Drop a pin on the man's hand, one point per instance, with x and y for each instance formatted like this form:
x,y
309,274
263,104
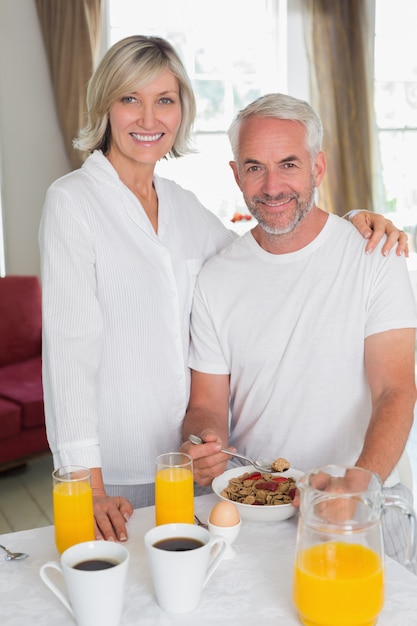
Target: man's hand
x,y
110,517
208,461
333,509
373,226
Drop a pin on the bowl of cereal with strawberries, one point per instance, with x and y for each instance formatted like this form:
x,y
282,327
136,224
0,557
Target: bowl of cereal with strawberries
x,y
258,496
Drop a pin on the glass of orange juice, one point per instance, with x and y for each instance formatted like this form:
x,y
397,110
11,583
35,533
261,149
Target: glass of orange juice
x,y
174,489
73,506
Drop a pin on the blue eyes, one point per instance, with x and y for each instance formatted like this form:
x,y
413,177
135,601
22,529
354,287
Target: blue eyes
x,y
133,100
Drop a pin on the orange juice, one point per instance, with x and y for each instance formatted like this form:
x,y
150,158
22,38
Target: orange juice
x,y
174,496
338,584
73,514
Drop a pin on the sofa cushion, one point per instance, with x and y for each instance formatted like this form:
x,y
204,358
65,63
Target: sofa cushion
x,y
9,419
21,318
22,383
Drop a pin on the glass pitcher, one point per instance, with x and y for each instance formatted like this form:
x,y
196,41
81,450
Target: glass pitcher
x,y
339,571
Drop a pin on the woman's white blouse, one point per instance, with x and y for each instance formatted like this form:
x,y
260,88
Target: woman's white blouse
x,y
116,309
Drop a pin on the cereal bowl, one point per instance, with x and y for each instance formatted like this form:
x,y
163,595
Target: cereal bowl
x,y
256,513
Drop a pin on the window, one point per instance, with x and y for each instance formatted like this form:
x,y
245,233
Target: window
x,y
231,54
396,109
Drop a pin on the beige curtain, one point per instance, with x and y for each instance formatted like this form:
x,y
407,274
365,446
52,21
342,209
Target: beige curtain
x,y
339,35
71,32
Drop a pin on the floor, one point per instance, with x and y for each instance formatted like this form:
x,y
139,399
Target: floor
x,y
25,493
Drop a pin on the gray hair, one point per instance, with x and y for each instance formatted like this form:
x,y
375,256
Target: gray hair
x,y
281,106
131,64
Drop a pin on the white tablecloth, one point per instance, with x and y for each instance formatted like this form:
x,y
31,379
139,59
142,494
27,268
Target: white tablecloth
x,y
253,588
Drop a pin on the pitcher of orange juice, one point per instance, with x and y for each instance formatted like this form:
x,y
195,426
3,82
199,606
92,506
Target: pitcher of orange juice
x,y
339,568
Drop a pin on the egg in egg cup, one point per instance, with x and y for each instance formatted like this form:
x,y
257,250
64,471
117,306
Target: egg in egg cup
x,y
224,521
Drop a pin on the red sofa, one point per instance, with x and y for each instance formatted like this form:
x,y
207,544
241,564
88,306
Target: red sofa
x,y
22,420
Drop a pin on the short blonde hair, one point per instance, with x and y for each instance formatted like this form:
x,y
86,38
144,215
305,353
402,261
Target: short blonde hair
x,y
131,64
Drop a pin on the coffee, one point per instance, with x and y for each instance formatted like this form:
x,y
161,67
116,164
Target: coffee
x,y
178,544
93,565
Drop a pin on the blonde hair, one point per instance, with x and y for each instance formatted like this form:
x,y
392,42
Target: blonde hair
x,y
128,65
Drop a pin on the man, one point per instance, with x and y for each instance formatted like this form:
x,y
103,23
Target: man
x,y
309,340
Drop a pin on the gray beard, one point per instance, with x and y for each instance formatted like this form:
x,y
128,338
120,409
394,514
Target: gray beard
x,y
303,208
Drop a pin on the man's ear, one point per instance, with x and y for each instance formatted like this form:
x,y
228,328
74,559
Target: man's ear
x,y
319,168
233,165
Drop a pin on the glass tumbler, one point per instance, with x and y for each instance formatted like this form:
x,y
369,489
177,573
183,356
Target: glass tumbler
x,y
73,506
174,489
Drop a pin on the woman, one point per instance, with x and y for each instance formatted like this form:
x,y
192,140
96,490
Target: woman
x,y
120,252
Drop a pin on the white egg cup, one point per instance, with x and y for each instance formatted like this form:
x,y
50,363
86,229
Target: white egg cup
x,y
229,534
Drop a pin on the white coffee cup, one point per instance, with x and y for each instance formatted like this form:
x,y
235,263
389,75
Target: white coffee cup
x,y
179,576
95,595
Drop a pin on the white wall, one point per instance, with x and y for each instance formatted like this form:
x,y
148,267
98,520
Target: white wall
x,y
32,150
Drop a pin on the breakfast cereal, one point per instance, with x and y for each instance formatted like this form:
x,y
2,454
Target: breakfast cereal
x,y
260,489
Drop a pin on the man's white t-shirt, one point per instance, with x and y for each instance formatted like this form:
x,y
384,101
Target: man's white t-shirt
x,y
290,330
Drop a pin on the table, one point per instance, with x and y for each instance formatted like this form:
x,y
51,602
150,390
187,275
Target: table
x,y
253,588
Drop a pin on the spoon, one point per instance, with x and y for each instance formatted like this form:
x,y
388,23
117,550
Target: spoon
x,y
268,470
13,556
199,522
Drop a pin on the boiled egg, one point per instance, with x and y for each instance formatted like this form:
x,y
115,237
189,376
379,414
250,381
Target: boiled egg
x,y
224,514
